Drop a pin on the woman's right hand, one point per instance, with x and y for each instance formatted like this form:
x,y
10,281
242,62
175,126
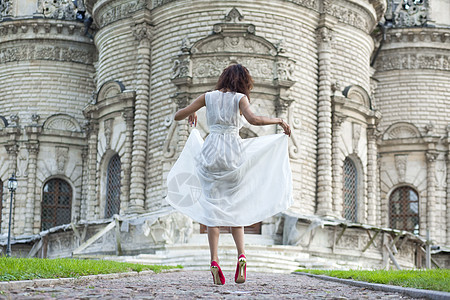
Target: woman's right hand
x,y
286,127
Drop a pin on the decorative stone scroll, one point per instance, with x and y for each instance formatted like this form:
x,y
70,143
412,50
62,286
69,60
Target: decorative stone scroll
x,y
62,122
3,122
401,130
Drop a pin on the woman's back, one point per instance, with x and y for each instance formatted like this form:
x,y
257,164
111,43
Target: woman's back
x,y
223,108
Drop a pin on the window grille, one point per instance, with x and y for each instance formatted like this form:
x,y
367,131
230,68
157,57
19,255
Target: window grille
x,y
113,187
56,204
350,190
404,209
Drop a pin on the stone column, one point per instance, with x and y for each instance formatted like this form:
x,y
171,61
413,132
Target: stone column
x,y
92,197
337,166
324,135
128,117
372,175
31,207
140,134
431,193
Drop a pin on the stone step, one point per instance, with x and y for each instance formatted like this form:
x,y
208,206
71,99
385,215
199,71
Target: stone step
x,y
261,258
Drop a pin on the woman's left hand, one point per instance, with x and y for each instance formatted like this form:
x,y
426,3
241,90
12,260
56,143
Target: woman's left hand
x,y
192,119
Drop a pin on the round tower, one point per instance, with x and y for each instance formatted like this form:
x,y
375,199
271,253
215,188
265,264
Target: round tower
x,y
47,74
412,75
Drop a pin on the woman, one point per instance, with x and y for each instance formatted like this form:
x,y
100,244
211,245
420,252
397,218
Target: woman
x,y
227,181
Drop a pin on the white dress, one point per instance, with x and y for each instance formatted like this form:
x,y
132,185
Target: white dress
x,y
226,180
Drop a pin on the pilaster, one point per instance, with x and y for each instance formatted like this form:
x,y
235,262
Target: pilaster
x,y
141,31
431,156
128,117
372,175
337,166
324,133
92,199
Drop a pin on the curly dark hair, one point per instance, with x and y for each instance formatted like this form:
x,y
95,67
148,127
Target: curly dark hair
x,y
236,78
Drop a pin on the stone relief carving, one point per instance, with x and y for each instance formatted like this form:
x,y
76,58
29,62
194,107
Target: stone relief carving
x,y
401,131
57,9
6,7
284,70
142,32
347,16
407,13
45,53
108,124
22,163
62,122
441,172
120,11
62,156
413,61
429,128
356,136
401,160
181,68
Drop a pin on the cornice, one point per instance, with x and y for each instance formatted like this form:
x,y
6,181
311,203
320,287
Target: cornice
x,y
417,37
49,29
108,11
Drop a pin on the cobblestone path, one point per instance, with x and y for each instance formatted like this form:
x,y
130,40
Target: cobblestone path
x,y
198,285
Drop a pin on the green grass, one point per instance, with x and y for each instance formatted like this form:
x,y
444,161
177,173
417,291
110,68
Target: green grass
x,y
34,268
435,279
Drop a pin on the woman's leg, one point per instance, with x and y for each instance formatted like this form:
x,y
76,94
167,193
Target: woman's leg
x,y
213,239
238,236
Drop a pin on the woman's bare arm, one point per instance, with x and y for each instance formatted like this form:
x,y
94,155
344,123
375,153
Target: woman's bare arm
x,y
189,111
253,119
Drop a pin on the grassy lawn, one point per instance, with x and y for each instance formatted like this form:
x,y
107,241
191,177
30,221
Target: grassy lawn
x,y
435,279
34,268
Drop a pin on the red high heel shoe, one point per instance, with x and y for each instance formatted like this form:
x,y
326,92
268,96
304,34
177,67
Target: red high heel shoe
x,y
217,274
241,269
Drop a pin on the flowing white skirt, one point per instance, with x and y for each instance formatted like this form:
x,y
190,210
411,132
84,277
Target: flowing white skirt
x,y
257,183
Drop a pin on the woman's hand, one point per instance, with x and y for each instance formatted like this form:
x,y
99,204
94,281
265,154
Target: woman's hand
x,y
192,119
286,127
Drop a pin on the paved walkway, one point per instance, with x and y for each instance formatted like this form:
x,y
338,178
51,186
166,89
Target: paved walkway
x,y
198,285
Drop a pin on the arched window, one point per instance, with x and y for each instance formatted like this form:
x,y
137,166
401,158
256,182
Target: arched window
x,y
404,209
113,187
350,184
56,204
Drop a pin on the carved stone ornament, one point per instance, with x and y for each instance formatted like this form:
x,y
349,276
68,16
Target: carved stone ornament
x,y
441,172
431,156
357,94
22,163
35,118
356,136
6,7
407,13
109,89
62,155
62,122
181,68
401,130
142,32
14,118
429,128
108,128
57,9
401,160
234,15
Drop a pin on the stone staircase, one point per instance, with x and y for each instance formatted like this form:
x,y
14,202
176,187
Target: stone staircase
x,y
262,256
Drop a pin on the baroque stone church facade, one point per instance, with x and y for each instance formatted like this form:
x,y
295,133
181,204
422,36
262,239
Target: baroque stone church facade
x,y
88,90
